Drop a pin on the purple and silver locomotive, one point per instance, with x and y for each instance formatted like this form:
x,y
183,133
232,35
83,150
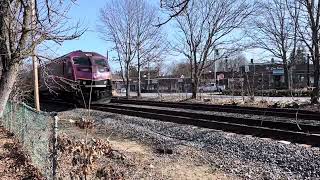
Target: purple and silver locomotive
x,y
84,75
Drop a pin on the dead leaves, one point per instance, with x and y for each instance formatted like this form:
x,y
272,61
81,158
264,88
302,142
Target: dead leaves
x,y
85,123
84,155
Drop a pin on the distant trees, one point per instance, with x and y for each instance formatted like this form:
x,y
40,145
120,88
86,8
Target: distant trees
x,y
207,25
278,26
274,29
233,63
117,26
284,25
150,41
179,69
301,56
309,33
129,25
23,26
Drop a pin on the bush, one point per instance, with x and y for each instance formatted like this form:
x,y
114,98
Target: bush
x,y
273,93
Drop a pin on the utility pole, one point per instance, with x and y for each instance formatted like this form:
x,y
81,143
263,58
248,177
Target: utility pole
x,y
215,65
226,66
308,70
34,58
148,84
253,76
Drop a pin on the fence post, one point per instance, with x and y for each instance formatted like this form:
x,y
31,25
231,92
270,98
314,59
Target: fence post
x,y
54,149
22,122
9,124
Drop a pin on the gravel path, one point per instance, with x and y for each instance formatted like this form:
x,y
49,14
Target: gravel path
x,y
245,156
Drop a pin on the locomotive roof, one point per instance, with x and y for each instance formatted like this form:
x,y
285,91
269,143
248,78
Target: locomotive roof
x,y
75,53
81,53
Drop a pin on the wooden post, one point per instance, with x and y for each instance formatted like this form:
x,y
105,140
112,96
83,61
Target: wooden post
x,y
34,59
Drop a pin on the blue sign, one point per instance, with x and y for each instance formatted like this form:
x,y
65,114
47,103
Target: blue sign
x,y
278,72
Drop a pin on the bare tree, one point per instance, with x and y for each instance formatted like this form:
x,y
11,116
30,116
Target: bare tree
x,y
18,38
179,69
208,25
274,30
150,41
174,7
309,32
234,63
118,26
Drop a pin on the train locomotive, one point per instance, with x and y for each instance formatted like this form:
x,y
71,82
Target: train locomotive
x,y
79,76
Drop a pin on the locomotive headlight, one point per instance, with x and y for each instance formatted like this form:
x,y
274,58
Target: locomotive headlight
x,y
104,82
84,83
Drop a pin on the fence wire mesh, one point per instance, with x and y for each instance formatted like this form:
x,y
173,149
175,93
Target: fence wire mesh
x,y
34,130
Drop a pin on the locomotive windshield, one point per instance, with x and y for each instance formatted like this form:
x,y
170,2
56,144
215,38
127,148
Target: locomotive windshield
x,y
83,61
101,62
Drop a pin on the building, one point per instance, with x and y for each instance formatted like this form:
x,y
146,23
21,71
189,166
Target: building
x,y
257,76
264,76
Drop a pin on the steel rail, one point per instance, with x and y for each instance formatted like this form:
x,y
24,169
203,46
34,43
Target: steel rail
x,y
278,112
230,124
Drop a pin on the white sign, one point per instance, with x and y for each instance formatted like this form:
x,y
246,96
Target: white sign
x,y
246,68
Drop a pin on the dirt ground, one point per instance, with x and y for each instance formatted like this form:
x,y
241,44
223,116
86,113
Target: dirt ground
x,y
140,161
14,163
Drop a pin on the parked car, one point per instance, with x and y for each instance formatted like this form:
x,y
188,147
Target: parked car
x,y
212,87
122,90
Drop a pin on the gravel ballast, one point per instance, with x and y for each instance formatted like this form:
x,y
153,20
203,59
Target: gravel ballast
x,y
245,156
237,115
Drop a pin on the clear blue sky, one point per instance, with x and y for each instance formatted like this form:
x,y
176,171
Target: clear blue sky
x,y
87,13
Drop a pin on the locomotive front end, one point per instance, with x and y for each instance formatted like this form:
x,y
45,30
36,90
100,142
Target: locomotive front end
x,y
92,72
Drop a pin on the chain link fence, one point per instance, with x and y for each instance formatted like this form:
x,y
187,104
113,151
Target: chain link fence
x,y
35,130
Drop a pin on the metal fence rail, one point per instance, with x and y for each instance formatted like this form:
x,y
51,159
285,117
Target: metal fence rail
x,y
34,130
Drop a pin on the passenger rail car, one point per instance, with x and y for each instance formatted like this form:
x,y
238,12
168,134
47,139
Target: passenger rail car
x,y
78,74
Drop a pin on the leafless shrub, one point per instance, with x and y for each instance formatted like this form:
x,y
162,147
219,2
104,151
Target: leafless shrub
x,y
82,157
85,123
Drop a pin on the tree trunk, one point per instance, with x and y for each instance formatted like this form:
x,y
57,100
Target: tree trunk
x,y
139,81
285,68
195,84
315,92
127,82
7,81
286,76
139,75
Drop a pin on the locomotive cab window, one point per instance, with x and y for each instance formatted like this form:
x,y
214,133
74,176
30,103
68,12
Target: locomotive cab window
x,y
101,62
83,61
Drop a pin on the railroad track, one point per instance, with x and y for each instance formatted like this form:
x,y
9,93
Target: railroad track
x,y
305,134
278,112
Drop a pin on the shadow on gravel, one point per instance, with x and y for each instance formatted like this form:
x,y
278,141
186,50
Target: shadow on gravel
x,y
163,151
56,107
185,100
